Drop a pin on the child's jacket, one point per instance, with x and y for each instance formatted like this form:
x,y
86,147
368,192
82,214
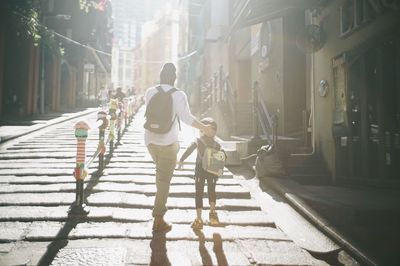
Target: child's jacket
x,y
200,150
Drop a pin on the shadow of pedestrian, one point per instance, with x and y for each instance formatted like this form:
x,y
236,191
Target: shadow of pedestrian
x,y
159,249
205,256
219,250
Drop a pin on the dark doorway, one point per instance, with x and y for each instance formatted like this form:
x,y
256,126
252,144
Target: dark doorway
x,y
374,113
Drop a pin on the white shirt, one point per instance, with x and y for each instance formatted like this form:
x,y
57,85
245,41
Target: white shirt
x,y
180,108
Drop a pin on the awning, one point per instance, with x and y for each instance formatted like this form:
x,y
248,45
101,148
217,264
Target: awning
x,y
250,12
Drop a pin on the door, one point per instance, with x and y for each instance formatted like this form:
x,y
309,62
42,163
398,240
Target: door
x,y
374,113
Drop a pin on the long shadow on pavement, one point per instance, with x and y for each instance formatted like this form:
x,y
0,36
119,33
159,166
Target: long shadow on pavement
x,y
61,239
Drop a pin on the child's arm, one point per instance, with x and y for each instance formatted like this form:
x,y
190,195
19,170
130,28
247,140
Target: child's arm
x,y
186,154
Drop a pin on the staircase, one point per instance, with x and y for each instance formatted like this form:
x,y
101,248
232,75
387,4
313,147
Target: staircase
x,y
244,119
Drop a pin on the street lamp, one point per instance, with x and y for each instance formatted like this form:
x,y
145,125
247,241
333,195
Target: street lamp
x,y
42,66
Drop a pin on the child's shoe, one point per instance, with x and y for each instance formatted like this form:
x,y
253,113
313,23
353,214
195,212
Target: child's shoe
x,y
213,218
197,224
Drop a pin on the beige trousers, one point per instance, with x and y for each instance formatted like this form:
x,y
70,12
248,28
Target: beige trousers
x,y
164,158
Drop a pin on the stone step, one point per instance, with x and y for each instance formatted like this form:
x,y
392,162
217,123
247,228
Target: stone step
x,y
49,231
103,214
123,179
120,199
234,191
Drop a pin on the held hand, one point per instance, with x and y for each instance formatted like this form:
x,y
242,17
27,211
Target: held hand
x,y
179,165
209,131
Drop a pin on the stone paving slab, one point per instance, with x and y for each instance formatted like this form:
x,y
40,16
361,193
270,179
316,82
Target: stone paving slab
x,y
53,155
12,231
176,190
159,251
255,218
277,253
90,256
60,213
67,150
144,179
49,231
38,171
117,199
33,166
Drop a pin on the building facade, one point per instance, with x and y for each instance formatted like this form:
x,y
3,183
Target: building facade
x,y
159,44
359,133
327,70
54,75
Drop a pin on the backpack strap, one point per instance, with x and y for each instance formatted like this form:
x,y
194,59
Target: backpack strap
x,y
176,116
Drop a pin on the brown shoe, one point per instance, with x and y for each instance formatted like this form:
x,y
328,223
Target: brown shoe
x,y
160,225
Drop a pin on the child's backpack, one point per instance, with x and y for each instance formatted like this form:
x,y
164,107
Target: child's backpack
x,y
159,112
213,160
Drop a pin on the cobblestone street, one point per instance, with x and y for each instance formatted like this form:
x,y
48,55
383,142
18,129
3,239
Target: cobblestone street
x,y
37,189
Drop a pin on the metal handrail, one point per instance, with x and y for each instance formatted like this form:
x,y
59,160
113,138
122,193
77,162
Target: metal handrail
x,y
231,96
219,90
263,118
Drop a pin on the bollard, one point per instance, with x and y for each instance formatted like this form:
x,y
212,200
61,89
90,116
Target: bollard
x,y
131,106
102,147
81,133
126,111
119,121
113,116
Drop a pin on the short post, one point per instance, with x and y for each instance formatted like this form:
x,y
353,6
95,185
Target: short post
x,y
102,147
126,111
113,116
131,104
130,110
119,121
81,133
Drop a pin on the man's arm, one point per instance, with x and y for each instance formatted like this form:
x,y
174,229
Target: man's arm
x,y
184,113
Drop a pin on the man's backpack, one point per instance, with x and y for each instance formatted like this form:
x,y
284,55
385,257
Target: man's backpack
x,y
213,160
159,112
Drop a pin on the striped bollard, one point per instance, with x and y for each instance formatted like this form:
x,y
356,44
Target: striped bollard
x,y
126,111
119,121
102,147
130,109
81,133
113,116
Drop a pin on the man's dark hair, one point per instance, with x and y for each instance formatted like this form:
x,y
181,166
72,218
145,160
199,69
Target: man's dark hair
x,y
168,74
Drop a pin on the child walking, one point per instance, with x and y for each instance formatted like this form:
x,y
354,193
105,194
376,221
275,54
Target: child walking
x,y
201,175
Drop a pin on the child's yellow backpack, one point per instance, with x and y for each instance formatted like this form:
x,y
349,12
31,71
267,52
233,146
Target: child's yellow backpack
x,y
213,160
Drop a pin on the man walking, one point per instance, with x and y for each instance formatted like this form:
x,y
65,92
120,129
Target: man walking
x,y
161,135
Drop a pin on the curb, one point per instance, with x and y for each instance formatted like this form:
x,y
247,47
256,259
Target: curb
x,y
321,223
51,122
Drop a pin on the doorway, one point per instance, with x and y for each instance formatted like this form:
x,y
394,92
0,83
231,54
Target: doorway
x,y
374,113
